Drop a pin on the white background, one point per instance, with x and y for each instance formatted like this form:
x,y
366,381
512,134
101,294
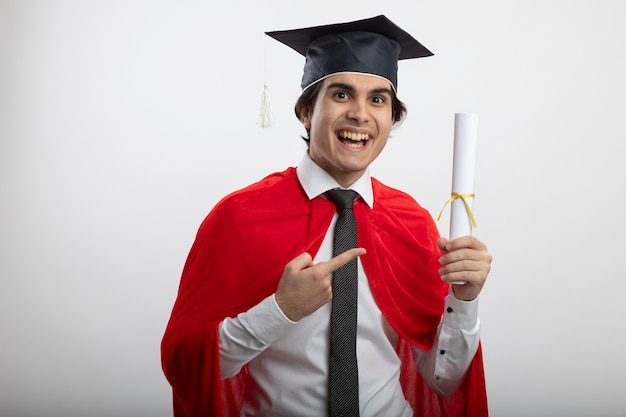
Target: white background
x,y
123,122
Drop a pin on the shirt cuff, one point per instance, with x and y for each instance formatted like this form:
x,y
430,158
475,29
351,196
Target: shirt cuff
x,y
459,314
266,321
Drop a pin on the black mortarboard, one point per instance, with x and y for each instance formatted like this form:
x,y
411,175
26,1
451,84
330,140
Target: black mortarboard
x,y
369,46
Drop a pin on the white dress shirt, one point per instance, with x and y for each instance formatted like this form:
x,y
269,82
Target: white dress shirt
x,y
288,361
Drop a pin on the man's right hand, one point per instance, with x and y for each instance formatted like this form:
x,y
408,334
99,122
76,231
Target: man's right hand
x,y
305,287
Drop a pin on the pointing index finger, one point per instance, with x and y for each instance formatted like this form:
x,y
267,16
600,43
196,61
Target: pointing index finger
x,y
340,260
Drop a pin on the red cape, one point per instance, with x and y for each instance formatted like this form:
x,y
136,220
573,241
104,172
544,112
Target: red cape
x,y
238,258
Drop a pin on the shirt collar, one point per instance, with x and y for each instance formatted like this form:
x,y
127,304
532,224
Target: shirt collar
x,y
315,181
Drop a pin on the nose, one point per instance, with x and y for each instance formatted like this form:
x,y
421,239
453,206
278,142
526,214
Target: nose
x,y
358,111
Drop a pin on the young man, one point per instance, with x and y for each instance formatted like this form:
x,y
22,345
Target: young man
x,y
253,330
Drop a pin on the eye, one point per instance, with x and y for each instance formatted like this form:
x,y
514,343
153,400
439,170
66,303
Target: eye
x,y
342,95
378,99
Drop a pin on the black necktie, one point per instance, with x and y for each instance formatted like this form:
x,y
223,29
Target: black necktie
x,y
343,372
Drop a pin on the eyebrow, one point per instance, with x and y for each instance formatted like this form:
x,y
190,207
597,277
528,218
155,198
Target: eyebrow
x,y
351,89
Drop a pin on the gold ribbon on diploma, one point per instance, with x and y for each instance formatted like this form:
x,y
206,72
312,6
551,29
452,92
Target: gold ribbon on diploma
x,y
456,196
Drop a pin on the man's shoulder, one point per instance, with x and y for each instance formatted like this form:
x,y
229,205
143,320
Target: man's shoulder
x,y
265,183
399,214
272,189
388,195
398,204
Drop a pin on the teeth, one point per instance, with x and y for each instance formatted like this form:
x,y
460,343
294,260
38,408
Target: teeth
x,y
353,136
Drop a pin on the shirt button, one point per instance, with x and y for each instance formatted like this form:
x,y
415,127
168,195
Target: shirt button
x,y
449,310
442,351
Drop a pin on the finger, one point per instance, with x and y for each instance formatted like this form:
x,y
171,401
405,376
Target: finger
x,y
301,261
464,254
340,260
463,265
469,271
470,242
466,277
442,242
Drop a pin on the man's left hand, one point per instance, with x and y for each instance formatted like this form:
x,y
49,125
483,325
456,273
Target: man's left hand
x,y
464,259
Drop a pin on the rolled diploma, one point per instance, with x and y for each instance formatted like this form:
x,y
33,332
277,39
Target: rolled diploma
x,y
463,173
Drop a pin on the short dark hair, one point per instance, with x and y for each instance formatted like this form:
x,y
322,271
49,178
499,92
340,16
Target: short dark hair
x,y
309,96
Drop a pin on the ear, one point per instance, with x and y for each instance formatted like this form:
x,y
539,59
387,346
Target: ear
x,y
305,116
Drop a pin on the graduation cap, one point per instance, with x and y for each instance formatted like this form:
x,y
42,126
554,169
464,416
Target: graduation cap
x,y
369,46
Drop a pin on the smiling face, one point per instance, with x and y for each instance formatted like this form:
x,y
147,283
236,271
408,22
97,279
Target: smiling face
x,y
349,124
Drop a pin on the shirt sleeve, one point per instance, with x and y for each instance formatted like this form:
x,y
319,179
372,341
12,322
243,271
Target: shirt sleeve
x,y
244,337
445,364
